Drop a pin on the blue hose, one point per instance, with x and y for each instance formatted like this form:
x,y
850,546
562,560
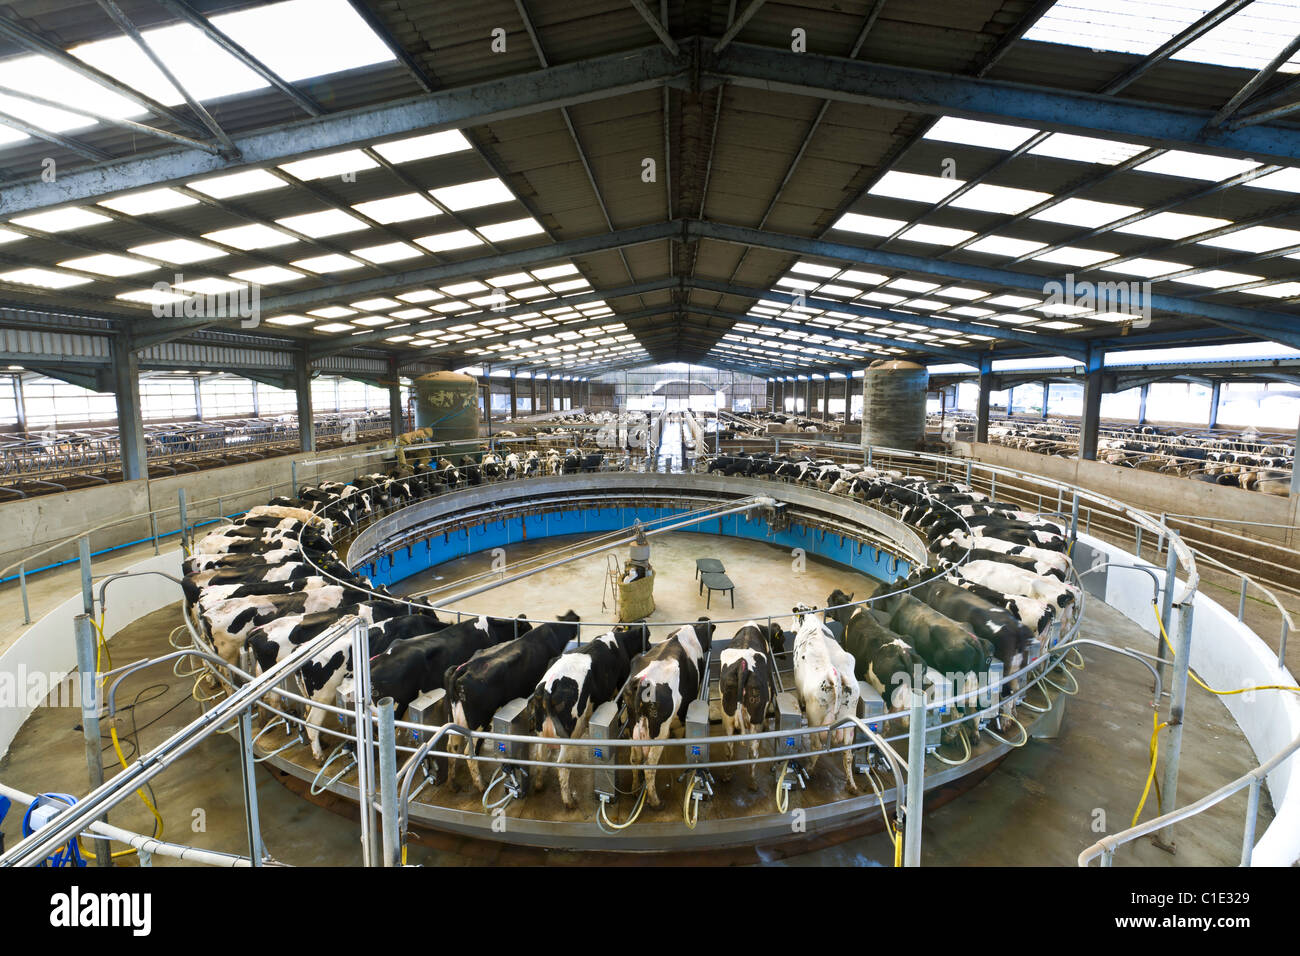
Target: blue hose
x,y
65,856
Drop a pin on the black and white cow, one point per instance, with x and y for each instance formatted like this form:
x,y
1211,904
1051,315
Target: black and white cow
x,y
497,675
1054,561
746,685
826,686
574,685
418,663
882,657
666,679
1013,580
951,554
227,622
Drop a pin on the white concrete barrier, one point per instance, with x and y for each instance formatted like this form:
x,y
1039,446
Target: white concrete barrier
x,y
48,648
1226,654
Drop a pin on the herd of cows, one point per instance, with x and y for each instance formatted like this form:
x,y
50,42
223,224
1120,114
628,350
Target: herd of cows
x,y
1240,461
273,581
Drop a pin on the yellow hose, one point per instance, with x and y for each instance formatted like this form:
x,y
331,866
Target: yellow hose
x,y
636,812
690,819
1201,683
1151,774
782,795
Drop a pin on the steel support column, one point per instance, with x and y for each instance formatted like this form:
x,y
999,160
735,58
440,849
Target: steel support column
x,y
1215,391
1047,394
130,422
395,410
1092,391
1143,392
514,396
982,403
302,389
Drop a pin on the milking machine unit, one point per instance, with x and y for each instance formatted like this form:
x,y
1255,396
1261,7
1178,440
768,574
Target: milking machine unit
x,y
700,785
604,726
789,718
990,694
513,719
871,707
942,712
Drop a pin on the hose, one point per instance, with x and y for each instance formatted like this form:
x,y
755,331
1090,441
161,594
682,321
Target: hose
x,y
497,778
1151,774
1068,693
965,744
689,818
782,795
1024,734
606,823
889,827
1079,666
1201,683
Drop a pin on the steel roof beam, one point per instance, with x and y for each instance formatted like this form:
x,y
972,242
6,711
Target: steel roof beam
x,y
1277,326
926,91
519,95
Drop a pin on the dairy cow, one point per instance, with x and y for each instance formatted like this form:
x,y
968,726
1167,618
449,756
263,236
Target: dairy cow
x,y
746,685
826,686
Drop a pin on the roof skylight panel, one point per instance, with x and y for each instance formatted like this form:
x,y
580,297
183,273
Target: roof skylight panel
x,y
327,263
332,312
210,286
1145,268
1007,200
387,252
569,285
44,278
1217,278
1074,256
43,77
238,184
401,208
1014,301
420,295
328,36
61,220
970,311
868,225
1085,212
815,269
913,285
331,164
1087,149
555,272
152,296
840,291
148,201
1278,290
1004,246
423,147
198,63
791,283
1172,225
267,275
333,327
252,236
1255,239
290,320
374,305
178,251
483,192
1177,162
369,321
531,292
514,229
108,264
936,235
1286,180
447,241
882,297
326,222
951,129
914,186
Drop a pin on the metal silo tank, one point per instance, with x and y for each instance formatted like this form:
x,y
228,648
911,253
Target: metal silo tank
x,y
446,403
893,404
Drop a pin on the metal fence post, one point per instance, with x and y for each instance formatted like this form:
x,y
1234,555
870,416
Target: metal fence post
x,y
1166,612
183,515
88,688
388,782
1252,816
87,585
1177,703
1074,518
915,781
22,588
248,776
365,743
293,477
1281,647
153,529
1241,603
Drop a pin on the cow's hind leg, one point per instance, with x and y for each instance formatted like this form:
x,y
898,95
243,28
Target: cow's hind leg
x,y
539,772
753,767
475,774
846,738
651,760
728,728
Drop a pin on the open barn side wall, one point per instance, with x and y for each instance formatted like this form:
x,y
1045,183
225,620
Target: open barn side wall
x,y
1154,492
33,523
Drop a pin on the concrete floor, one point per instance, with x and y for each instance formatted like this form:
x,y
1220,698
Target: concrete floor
x,y
1037,808
764,574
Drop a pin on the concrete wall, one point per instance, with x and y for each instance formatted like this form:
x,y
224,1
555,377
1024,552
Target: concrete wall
x,y
31,524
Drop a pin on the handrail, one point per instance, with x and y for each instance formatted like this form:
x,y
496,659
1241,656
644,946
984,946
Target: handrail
x,y
1107,846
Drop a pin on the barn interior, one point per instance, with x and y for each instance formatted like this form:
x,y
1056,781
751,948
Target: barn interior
x,y
495,288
